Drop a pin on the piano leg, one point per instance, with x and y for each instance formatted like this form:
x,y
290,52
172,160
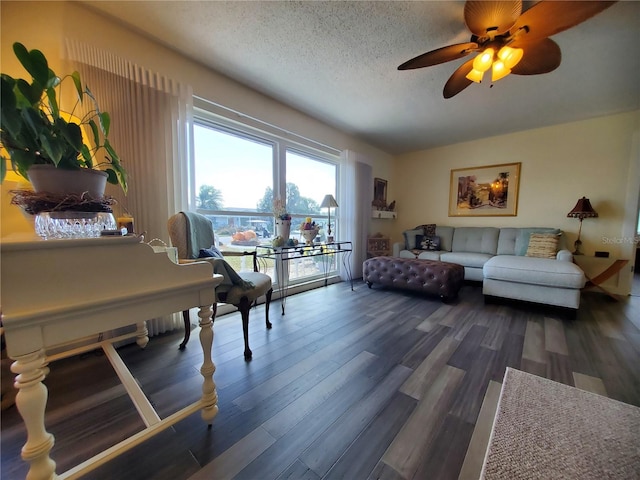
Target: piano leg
x,y
209,398
142,334
31,402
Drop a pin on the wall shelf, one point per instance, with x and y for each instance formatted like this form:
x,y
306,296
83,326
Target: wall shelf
x,y
383,214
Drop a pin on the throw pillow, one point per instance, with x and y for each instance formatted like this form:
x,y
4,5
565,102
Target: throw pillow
x,y
427,228
522,241
212,251
430,242
543,245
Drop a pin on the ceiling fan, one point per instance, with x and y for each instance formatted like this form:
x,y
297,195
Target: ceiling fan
x,y
508,40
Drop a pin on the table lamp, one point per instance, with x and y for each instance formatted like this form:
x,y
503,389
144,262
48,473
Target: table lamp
x,y
327,203
582,210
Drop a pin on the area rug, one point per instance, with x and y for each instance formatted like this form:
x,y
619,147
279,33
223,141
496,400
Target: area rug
x,y
547,430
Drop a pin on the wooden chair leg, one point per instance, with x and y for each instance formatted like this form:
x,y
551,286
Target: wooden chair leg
x,y
187,329
244,308
266,306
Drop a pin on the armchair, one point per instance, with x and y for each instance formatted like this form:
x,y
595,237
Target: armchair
x,y
190,233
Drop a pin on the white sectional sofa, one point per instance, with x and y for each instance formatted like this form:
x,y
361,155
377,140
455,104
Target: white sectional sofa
x,y
498,258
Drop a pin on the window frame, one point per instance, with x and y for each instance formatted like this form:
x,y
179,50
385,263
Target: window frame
x,y
208,115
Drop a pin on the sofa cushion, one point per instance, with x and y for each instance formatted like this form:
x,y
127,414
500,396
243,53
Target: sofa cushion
x,y
476,239
507,241
410,238
446,237
537,271
522,240
428,255
467,259
543,245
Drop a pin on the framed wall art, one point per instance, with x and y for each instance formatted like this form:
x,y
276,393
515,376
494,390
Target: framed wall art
x,y
379,193
484,191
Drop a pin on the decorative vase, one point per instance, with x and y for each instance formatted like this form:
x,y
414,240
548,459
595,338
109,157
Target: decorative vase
x,y
309,235
47,178
283,228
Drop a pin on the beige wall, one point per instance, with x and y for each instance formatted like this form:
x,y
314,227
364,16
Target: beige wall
x,y
559,164
45,25
596,158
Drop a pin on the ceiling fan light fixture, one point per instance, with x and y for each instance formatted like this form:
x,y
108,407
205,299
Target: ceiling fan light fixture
x,y
475,75
510,56
495,26
483,61
499,71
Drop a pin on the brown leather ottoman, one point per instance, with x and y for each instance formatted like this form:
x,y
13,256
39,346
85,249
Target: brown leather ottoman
x,y
429,276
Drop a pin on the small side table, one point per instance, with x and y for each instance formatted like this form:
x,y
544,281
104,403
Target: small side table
x,y
598,270
377,245
325,253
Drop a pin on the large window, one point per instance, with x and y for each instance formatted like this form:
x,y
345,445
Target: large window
x,y
237,174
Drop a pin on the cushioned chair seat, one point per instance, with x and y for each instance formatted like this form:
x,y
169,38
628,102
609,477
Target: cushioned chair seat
x,y
261,285
539,271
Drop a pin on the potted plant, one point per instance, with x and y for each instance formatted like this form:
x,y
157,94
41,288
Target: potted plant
x,y
38,135
309,230
283,219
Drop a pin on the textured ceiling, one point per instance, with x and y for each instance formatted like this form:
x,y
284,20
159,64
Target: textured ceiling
x,y
337,61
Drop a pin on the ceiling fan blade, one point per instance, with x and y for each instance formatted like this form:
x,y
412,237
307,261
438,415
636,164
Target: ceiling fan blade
x,y
548,18
494,17
440,55
539,57
458,81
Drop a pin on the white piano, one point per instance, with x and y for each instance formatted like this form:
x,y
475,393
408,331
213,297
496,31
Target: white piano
x,y
58,291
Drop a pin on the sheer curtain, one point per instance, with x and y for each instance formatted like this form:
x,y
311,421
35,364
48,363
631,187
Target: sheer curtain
x,y
151,129
356,193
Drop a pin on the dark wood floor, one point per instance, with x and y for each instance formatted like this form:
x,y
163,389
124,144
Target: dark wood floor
x,y
352,385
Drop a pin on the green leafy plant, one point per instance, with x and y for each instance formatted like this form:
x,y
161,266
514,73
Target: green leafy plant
x,y
34,130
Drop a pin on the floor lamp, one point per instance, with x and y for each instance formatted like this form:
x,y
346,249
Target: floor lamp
x,y
327,203
582,210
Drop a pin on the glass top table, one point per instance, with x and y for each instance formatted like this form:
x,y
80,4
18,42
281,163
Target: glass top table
x,y
325,255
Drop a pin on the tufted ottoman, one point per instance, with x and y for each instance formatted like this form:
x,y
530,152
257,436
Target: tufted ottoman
x,y
429,276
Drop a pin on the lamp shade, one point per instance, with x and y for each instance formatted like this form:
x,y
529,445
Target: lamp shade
x,y
483,61
583,209
475,75
328,202
510,56
499,71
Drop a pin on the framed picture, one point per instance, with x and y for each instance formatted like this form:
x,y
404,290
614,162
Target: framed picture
x,y
379,193
484,191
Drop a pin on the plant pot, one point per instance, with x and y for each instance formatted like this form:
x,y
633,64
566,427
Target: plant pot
x,y
283,228
47,178
309,235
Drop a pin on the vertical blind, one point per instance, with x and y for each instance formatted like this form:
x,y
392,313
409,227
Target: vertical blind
x,y
152,132
356,191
